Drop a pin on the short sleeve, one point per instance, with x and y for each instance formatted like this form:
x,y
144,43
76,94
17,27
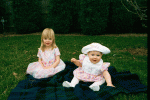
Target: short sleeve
x,y
57,52
39,53
81,57
105,66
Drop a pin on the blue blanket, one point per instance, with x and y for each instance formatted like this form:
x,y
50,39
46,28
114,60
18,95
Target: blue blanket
x,y
52,89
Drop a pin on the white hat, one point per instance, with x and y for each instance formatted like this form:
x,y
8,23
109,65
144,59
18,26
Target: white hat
x,y
95,47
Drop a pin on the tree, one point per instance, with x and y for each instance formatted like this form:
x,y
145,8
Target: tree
x,y
141,12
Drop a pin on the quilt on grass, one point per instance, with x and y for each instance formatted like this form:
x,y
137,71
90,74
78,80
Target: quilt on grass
x,y
52,89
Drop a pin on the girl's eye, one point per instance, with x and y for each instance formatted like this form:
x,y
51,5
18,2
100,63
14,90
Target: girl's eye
x,y
92,54
98,55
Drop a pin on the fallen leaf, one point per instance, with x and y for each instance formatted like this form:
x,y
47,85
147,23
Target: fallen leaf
x,y
15,74
26,52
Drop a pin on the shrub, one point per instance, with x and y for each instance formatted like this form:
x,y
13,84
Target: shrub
x,y
2,6
75,26
26,16
121,20
60,15
94,16
2,13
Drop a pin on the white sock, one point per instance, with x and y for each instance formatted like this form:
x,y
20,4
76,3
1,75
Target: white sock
x,y
95,88
72,84
66,84
96,85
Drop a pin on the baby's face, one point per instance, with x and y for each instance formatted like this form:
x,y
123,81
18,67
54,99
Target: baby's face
x,y
95,56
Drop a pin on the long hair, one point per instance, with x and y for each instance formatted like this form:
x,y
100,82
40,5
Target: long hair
x,y
48,33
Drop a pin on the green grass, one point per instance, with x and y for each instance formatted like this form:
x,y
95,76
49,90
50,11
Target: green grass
x,y
18,51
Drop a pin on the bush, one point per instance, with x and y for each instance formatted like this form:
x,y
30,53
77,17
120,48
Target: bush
x,y
26,16
60,15
121,20
75,26
2,13
94,16
2,6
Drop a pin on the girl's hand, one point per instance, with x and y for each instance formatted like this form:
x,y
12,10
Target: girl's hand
x,y
44,67
48,67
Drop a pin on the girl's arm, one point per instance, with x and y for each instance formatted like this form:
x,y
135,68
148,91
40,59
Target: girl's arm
x,y
76,62
108,78
55,63
40,61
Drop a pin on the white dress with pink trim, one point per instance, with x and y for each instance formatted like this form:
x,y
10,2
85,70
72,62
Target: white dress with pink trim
x,y
91,72
48,56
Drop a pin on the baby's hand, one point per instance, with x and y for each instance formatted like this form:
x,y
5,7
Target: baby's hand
x,y
73,60
110,85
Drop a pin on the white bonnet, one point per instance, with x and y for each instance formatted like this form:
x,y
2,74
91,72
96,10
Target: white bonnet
x,y
95,47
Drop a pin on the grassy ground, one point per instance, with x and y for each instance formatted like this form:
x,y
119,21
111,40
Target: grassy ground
x,y
127,53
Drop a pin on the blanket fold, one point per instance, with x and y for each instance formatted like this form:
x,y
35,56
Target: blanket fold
x,y
52,89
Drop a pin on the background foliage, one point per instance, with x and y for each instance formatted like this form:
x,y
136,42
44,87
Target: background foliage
x,y
94,16
2,13
26,16
60,15
121,20
91,17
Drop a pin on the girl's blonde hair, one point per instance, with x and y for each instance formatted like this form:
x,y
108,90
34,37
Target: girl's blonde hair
x,y
48,33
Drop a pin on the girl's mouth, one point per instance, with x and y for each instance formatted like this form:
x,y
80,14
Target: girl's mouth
x,y
47,43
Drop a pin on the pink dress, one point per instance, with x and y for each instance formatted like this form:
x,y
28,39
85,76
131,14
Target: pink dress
x,y
48,56
86,77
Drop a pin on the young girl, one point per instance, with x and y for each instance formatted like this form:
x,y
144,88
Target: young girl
x,y
91,67
49,62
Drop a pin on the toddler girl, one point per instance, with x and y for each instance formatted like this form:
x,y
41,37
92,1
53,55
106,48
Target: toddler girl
x,y
49,62
91,67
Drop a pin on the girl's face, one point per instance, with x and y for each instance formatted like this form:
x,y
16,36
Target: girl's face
x,y
47,41
95,56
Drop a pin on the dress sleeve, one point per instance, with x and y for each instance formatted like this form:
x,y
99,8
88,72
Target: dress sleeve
x,y
39,53
81,57
57,52
105,66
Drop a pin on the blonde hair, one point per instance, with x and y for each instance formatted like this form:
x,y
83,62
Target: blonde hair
x,y
48,33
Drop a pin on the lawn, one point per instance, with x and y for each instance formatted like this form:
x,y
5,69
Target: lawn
x,y
127,53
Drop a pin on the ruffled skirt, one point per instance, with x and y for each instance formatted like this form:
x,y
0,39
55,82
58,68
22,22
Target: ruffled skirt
x,y
81,75
37,71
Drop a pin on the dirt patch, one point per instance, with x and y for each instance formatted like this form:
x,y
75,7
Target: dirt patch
x,y
138,51
127,34
6,34
135,51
